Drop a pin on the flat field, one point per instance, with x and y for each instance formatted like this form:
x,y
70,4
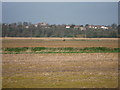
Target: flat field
x,y
60,70
59,42
93,70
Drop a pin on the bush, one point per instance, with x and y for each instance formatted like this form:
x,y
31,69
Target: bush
x,y
38,48
16,49
96,48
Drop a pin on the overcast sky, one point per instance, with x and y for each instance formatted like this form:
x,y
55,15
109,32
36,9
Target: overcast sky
x,y
98,13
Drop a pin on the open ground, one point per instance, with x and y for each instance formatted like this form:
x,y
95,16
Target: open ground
x,y
59,42
60,70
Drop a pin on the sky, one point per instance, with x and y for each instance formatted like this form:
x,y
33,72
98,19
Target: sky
x,y
119,13
79,13
60,0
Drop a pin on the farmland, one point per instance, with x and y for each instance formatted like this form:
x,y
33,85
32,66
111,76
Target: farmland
x,y
58,42
60,70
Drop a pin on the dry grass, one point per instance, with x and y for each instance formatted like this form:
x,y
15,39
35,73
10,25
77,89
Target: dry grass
x,y
81,70
57,38
93,70
58,42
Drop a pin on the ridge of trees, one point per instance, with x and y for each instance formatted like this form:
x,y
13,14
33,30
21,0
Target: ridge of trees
x,y
20,30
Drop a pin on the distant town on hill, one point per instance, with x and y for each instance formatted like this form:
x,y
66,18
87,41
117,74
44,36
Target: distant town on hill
x,y
42,29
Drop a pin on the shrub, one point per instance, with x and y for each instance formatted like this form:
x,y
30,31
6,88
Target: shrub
x,y
38,48
16,49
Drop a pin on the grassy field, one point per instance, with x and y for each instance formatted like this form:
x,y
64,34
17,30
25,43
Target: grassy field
x,y
60,70
38,50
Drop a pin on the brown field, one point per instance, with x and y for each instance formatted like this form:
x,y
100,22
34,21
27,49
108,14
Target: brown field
x,y
58,42
80,70
93,70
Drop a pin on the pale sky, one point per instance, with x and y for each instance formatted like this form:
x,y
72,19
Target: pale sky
x,y
81,13
60,0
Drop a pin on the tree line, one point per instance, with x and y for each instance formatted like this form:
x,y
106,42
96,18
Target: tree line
x,y
20,30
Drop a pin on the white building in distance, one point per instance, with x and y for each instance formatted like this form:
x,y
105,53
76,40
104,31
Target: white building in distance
x,y
36,25
104,27
26,26
67,26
